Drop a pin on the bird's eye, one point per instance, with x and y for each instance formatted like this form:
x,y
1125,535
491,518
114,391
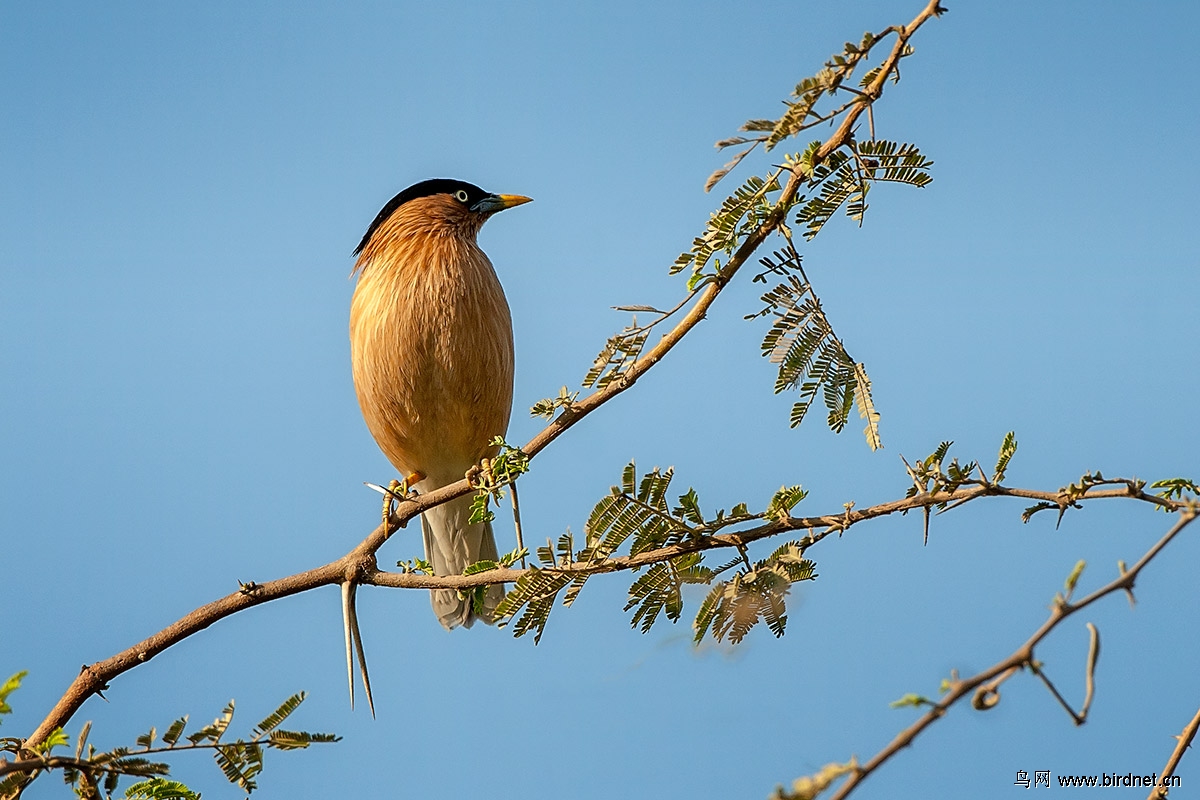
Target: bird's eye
x,y
461,195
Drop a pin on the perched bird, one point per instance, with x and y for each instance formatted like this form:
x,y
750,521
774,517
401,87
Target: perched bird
x,y
432,349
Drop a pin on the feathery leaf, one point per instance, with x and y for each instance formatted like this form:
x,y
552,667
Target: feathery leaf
x,y
1008,449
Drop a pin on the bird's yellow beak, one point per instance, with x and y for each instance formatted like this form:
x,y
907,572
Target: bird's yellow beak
x,y
498,202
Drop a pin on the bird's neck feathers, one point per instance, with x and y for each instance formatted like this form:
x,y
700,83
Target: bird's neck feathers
x,y
418,229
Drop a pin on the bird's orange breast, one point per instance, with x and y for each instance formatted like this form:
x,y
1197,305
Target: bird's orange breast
x,y
432,353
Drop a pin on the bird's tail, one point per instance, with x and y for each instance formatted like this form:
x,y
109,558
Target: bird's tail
x,y
452,545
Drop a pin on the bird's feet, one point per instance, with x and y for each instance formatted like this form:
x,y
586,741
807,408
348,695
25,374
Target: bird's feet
x,y
398,490
480,476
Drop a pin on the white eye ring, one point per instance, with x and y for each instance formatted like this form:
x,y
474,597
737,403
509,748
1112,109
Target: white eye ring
x,y
461,195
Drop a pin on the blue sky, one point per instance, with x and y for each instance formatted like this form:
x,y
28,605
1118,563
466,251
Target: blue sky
x,y
182,187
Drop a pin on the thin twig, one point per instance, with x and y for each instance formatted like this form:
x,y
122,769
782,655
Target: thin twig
x,y
1090,675
516,507
1185,740
1089,679
988,680
114,766
662,315
1062,701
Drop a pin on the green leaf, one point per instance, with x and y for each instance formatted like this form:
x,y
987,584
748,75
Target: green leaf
x,y
810,786
739,214
628,478
752,595
414,566
1172,489
895,163
866,406
699,280
533,597
689,507
8,687
508,464
240,762
869,78
11,784
1033,509
479,508
643,515
758,125
81,739
717,175
508,559
175,731
573,589
276,717
659,589
1008,449
160,789
298,740
133,765
810,356
483,565
707,613
783,501
547,407
619,354
1073,578
837,180
214,732
845,178
910,699
57,738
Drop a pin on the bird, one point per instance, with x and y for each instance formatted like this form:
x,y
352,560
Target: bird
x,y
432,359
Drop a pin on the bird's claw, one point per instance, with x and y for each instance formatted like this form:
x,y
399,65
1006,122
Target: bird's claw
x,y
480,475
390,497
398,491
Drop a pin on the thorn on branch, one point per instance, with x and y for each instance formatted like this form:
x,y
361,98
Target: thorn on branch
x,y
1129,588
1062,510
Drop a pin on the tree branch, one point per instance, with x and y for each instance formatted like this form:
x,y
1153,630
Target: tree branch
x,y
1185,740
359,564
984,685
819,527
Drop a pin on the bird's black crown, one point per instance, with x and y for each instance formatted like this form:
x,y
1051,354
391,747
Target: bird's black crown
x,y
422,189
